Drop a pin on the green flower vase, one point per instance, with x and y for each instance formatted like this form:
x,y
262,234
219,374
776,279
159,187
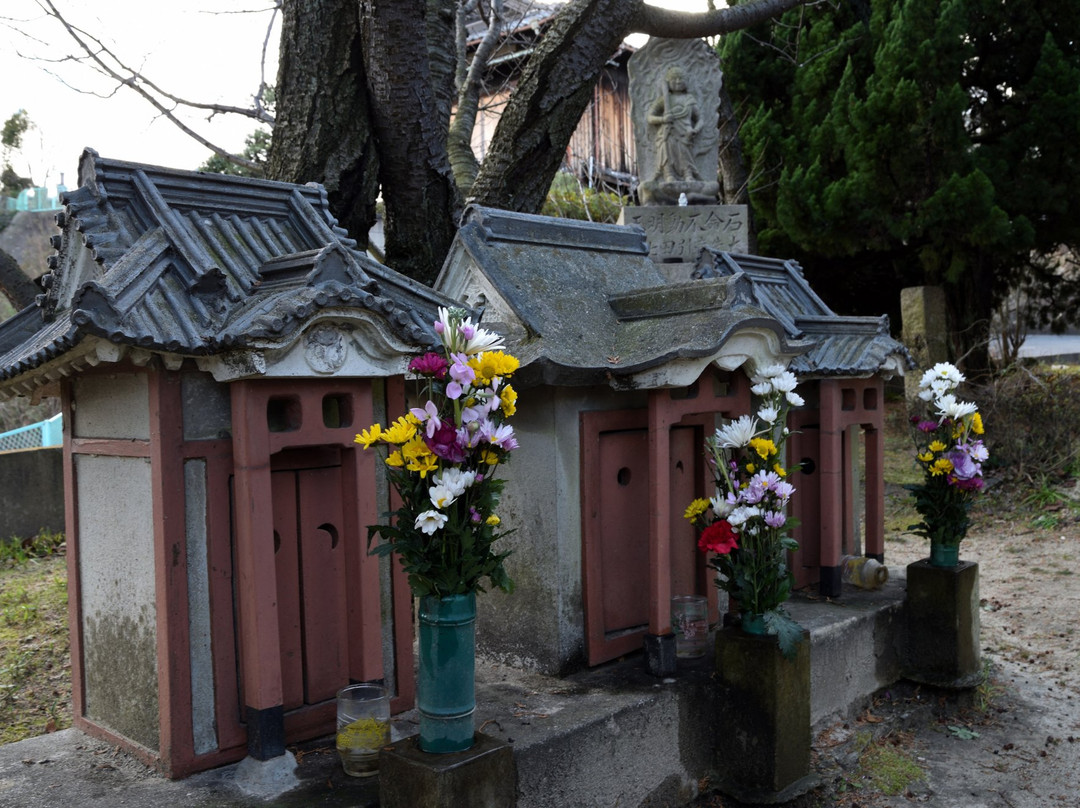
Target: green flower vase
x,y
944,555
446,694
753,623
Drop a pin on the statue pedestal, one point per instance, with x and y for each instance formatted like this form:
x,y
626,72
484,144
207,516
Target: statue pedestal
x,y
677,234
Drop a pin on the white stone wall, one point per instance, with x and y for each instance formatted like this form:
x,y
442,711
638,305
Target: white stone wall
x,y
541,626
117,592
112,405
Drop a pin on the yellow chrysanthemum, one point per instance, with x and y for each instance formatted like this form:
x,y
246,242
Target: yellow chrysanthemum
x,y
508,398
695,509
926,457
418,457
493,520
369,436
399,432
489,457
751,468
936,446
412,419
763,446
779,469
977,424
490,364
941,466
395,459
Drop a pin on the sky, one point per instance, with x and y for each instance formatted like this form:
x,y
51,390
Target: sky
x,y
203,50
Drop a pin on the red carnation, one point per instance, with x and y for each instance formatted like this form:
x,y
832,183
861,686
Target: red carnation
x,y
719,537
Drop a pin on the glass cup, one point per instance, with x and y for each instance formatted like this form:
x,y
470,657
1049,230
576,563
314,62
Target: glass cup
x,y
363,728
690,622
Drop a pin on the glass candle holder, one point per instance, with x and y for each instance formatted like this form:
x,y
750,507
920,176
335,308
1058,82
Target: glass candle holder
x,y
363,728
690,622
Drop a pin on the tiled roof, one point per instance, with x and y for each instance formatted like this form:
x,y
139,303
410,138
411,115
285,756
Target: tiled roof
x,y
196,264
842,346
582,302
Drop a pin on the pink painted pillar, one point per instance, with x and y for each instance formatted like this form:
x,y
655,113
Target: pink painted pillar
x,y
832,487
256,576
875,491
659,641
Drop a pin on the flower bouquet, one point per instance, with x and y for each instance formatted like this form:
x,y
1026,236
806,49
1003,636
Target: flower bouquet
x,y
443,459
745,526
444,455
951,456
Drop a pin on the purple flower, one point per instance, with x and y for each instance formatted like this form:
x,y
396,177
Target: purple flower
x,y
444,443
964,468
927,426
461,374
775,519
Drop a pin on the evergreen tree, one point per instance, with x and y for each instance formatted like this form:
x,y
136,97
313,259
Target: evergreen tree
x,y
917,141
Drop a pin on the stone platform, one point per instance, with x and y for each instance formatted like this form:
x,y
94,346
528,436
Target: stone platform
x,y
613,735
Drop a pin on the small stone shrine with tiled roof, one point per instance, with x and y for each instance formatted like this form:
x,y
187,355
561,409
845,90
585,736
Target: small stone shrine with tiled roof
x,y
217,343
629,373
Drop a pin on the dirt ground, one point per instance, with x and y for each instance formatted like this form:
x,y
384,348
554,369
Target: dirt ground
x,y
1012,742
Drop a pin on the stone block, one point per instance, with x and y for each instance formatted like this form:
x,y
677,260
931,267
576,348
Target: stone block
x,y
661,654
677,234
922,314
763,718
482,777
943,625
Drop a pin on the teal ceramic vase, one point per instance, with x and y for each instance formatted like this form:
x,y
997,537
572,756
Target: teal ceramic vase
x,y
944,555
446,694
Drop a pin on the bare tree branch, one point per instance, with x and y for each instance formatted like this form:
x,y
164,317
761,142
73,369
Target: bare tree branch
x,y
662,22
463,160
104,61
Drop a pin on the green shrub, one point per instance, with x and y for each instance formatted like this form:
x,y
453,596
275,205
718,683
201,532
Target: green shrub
x,y
1032,419
568,199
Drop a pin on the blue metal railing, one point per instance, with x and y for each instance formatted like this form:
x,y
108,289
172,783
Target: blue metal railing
x,y
43,433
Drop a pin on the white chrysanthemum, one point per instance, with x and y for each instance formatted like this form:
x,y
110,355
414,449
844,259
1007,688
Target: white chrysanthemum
x,y
770,372
454,480
785,382
429,521
950,407
794,399
736,434
769,413
441,496
763,388
942,371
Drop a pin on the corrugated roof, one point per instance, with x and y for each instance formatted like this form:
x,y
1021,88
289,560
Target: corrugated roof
x,y
842,345
195,264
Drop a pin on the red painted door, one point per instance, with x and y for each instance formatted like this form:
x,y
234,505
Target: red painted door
x,y
312,604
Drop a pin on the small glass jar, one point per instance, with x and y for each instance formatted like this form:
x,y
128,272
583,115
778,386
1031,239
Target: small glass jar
x,y
363,727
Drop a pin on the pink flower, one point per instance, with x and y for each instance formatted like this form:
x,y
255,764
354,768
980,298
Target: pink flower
x,y
430,364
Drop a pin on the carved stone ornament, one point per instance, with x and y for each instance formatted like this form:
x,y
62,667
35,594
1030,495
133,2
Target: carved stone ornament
x,y
325,348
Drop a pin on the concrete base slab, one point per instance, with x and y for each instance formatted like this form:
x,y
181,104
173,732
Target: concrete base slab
x,y
266,778
481,777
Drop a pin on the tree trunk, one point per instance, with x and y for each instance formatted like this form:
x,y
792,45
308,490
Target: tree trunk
x,y
422,204
734,178
14,284
323,122
530,140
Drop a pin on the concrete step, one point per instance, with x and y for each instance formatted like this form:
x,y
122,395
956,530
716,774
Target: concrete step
x,y
615,735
